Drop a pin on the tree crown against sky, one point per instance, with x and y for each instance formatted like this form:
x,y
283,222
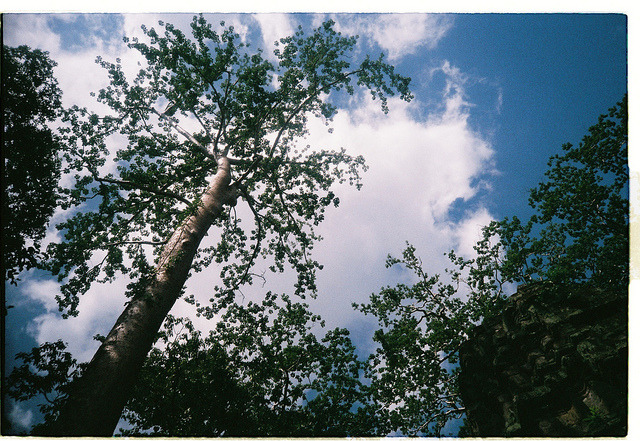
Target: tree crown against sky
x,y
237,99
31,167
578,236
580,232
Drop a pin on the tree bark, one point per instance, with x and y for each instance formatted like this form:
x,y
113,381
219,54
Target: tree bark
x,y
97,399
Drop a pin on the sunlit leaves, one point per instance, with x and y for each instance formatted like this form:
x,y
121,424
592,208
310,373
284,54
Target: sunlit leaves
x,y
421,329
579,235
243,107
195,103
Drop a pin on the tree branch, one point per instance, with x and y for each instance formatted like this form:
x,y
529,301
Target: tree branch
x,y
300,106
215,146
222,125
143,188
225,152
451,352
293,219
186,134
135,242
259,237
251,167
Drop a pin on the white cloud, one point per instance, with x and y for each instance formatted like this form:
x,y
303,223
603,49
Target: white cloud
x,y
273,27
76,72
417,169
99,309
29,29
468,231
19,416
398,34
43,292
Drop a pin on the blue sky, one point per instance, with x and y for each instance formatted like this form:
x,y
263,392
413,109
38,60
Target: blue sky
x,y
556,74
496,95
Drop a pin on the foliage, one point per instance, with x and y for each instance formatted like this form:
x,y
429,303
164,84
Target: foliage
x,y
31,167
413,371
246,109
412,376
579,235
164,400
596,419
47,371
261,372
264,370
580,232
140,179
265,365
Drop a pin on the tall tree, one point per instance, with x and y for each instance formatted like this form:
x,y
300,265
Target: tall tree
x,y
172,184
30,166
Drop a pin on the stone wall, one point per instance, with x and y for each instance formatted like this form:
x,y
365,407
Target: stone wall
x,y
554,363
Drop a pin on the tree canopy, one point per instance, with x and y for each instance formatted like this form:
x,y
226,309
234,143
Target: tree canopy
x,y
31,165
263,371
247,110
409,384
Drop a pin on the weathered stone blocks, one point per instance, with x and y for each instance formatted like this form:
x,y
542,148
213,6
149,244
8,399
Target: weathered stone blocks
x,y
553,363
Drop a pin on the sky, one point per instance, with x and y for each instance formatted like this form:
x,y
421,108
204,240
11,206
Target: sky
x,y
495,96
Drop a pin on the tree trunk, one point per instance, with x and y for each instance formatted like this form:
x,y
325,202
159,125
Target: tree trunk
x,y
99,396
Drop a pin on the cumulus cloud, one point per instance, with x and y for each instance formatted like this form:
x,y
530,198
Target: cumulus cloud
x,y
30,29
468,231
76,73
99,309
398,34
273,27
417,170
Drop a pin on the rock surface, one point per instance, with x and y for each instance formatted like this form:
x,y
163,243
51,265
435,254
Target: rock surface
x,y
553,363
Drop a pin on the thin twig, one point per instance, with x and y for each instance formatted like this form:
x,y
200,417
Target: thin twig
x,y
300,106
